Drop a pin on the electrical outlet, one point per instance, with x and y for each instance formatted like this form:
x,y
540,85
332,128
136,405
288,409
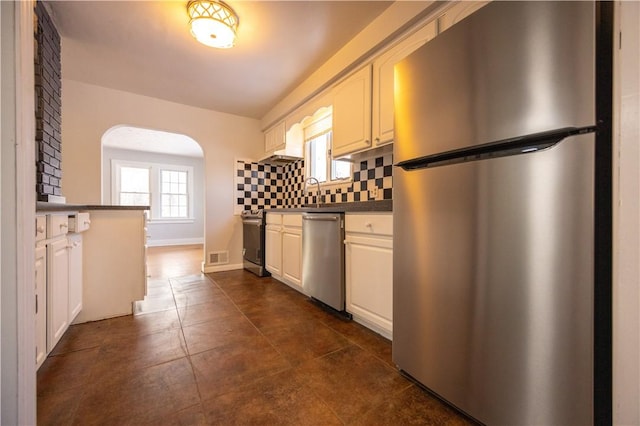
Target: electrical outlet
x,y
373,193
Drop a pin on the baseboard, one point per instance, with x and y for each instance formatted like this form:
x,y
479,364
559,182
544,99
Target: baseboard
x,y
175,242
373,327
220,268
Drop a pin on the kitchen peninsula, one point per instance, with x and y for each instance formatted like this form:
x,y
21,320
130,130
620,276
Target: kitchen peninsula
x,y
113,257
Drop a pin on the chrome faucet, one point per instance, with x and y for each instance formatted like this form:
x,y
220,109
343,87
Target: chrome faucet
x,y
311,179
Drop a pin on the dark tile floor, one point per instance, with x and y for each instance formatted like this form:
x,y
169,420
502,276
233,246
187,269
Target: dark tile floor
x,y
228,348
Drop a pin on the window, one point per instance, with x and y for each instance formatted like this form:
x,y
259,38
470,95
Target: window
x,y
167,189
173,192
318,161
134,186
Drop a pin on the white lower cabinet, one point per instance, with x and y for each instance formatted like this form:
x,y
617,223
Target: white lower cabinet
x,y
41,304
273,244
57,290
369,270
58,280
292,250
283,245
75,275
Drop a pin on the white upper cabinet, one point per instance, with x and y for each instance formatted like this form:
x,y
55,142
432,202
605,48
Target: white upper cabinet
x,y
352,114
457,12
382,108
274,138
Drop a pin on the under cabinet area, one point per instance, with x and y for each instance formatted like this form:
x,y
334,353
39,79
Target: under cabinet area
x,y
283,245
369,270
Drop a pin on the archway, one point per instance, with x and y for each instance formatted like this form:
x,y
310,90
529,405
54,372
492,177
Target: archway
x,y
163,170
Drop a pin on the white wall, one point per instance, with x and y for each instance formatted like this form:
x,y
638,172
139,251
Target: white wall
x,y
17,215
626,216
163,233
88,111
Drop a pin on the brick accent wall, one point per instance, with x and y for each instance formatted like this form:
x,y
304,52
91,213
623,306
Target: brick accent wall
x,y
48,90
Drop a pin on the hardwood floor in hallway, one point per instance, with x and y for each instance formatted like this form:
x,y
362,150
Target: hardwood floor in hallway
x,y
227,348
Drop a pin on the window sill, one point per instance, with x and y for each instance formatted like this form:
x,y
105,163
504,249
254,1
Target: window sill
x,y
170,221
339,184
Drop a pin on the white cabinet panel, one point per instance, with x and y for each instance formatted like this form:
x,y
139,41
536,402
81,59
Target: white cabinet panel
x,y
383,85
274,138
283,241
75,275
57,224
292,256
369,270
352,114
41,227
273,244
369,224
41,305
57,291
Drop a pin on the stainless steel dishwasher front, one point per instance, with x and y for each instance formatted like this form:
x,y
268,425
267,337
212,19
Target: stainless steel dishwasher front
x,y
323,258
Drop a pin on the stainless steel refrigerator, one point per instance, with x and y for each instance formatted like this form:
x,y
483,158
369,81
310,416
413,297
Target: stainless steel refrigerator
x,y
496,195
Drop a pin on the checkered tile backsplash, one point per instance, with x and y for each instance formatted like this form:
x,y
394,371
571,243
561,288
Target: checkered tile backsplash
x,y
260,186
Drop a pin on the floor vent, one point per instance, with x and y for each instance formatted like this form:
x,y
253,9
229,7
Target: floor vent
x,y
218,257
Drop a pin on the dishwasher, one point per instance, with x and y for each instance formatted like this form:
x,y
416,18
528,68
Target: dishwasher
x,y
323,258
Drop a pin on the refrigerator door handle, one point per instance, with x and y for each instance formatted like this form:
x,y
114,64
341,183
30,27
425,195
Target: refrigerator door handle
x,y
502,148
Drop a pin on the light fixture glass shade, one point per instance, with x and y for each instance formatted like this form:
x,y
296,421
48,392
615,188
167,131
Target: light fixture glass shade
x,y
213,23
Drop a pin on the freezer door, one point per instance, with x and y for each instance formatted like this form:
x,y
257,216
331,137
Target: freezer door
x,y
493,284
510,69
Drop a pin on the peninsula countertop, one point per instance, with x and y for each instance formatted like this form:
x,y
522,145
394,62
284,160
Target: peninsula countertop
x,y
42,206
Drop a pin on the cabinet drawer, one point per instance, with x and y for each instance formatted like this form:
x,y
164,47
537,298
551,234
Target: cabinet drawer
x,y
292,220
41,227
79,222
378,224
274,219
57,224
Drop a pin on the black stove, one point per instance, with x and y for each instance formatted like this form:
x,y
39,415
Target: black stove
x,y
253,238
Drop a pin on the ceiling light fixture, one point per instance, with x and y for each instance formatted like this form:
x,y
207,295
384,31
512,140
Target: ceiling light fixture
x,y
213,23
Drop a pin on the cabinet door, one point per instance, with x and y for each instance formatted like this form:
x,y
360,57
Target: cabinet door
x,y
57,291
369,282
457,13
352,114
273,250
292,256
41,305
274,138
75,275
382,107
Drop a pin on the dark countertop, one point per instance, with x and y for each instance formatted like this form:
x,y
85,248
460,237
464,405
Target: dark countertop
x,y
359,207
42,206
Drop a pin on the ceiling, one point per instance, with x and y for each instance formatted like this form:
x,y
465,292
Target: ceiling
x,y
145,47
137,139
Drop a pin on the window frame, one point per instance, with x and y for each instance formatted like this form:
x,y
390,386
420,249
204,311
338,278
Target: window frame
x,y
314,127
155,187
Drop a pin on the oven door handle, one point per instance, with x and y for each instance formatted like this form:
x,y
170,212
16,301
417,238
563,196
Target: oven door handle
x,y
252,222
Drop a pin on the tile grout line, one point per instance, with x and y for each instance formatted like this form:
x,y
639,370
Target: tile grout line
x,y
187,352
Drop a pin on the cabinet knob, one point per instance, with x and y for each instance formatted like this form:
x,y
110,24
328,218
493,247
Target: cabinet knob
x,y
40,229
369,225
64,225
